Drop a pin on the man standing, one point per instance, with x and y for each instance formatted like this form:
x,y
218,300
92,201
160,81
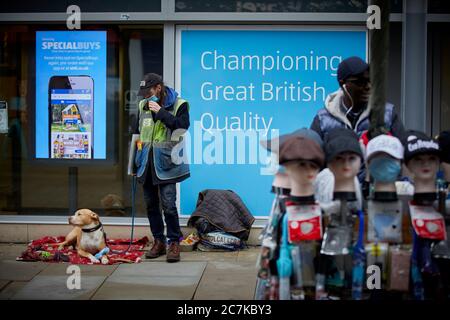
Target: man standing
x,y
348,106
161,113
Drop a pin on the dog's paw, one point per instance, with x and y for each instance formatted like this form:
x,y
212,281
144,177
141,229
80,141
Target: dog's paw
x,y
105,260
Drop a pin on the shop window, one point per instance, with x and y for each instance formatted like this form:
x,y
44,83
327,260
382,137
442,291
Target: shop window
x,y
441,69
344,6
439,6
42,187
85,6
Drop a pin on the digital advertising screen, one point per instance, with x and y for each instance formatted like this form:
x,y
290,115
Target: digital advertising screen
x,y
70,95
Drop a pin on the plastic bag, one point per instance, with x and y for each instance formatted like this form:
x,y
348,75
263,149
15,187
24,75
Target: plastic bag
x,y
337,240
427,222
385,221
220,240
305,222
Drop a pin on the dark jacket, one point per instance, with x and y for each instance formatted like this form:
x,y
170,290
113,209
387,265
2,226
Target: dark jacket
x,y
225,210
179,121
333,116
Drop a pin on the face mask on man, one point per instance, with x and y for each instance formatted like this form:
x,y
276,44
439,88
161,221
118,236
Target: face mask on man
x,y
384,169
152,98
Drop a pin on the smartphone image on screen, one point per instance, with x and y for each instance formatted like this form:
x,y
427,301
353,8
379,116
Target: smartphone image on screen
x,y
71,117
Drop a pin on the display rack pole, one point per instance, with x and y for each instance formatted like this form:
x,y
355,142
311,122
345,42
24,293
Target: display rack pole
x,y
73,189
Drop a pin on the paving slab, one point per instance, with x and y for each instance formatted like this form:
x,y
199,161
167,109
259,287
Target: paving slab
x,y
19,270
227,281
11,251
60,269
201,256
11,289
153,281
53,287
3,284
249,255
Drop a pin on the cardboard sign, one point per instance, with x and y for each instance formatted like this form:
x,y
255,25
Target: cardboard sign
x,y
427,222
305,222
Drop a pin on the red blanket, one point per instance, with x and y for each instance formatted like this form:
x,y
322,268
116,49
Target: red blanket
x,y
41,250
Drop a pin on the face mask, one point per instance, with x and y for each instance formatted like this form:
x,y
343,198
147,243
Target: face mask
x,y
153,98
384,169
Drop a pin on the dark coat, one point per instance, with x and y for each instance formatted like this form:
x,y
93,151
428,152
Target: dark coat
x,y
225,210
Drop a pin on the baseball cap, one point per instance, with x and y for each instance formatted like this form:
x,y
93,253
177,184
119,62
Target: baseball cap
x,y
350,67
444,145
150,80
417,142
303,132
385,144
341,140
297,147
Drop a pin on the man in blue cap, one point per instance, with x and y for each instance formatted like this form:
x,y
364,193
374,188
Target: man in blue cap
x,y
348,106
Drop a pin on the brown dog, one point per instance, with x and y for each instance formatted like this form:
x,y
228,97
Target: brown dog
x,y
87,235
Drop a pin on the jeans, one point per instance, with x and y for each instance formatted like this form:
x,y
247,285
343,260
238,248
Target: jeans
x,y
157,197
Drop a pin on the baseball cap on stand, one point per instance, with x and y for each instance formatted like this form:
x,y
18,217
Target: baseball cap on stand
x,y
350,67
417,142
385,144
150,80
341,140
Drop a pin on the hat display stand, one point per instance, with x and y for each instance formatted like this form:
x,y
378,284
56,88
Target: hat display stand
x,y
429,228
384,234
286,266
304,226
337,241
441,250
267,281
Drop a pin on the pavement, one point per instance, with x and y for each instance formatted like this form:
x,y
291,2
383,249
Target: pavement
x,y
198,276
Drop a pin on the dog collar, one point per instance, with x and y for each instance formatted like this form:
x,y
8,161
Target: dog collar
x,y
93,229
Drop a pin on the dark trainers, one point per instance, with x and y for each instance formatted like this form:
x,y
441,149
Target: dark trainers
x,y
158,249
173,254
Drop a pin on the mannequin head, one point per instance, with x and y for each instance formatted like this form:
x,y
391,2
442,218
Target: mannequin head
x,y
343,154
345,167
422,157
424,168
384,169
384,155
302,174
302,156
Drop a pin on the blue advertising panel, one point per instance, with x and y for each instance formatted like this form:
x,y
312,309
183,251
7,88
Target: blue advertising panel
x,y
252,85
70,95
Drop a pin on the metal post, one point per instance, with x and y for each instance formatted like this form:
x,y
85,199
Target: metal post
x,y
414,67
73,189
379,55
